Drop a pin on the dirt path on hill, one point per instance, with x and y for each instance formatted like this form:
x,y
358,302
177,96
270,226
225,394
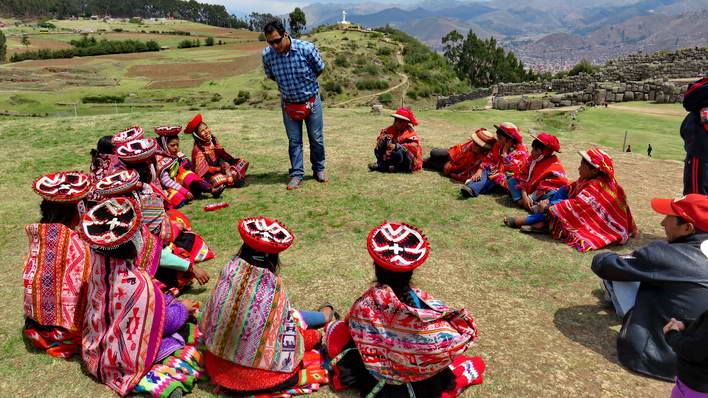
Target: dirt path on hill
x,y
648,109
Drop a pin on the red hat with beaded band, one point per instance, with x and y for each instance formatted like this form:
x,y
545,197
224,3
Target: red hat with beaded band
x,y
133,133
111,223
193,124
265,235
397,247
137,151
118,183
63,186
549,141
406,114
168,131
510,130
693,208
484,138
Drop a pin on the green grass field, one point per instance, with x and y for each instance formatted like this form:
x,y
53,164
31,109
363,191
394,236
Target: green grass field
x,y
544,332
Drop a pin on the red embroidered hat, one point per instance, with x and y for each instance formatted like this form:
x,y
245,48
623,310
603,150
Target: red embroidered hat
x,y
193,124
549,141
164,162
111,223
600,160
484,138
118,183
510,130
133,133
137,151
63,186
266,235
406,114
397,247
693,208
168,131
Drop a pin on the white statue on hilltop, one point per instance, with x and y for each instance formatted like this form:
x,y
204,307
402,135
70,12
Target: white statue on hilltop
x,y
344,18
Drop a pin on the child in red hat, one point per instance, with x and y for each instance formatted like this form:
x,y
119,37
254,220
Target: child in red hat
x,y
397,340
461,161
211,161
398,147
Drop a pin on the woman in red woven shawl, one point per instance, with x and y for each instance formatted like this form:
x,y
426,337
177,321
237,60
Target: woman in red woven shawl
x,y
129,323
211,161
542,176
245,354
398,147
58,264
461,161
507,159
397,340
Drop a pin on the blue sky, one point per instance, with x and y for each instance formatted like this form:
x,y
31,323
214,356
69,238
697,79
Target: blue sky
x,y
285,6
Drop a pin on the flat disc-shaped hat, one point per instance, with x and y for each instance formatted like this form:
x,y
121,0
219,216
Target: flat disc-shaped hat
x,y
63,186
397,247
265,235
111,223
118,183
136,151
164,162
133,133
168,131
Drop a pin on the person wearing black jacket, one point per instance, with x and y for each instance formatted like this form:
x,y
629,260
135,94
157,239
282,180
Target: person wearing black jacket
x,y
690,343
671,279
694,132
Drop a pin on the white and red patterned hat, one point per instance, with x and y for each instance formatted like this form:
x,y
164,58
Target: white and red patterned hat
x,y
111,223
168,131
265,235
118,183
133,133
164,162
63,186
397,247
137,151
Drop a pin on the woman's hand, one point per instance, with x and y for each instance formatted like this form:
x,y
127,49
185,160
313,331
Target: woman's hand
x,y
674,324
200,275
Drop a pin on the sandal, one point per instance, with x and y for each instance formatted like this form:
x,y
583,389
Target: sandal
x,y
510,221
335,314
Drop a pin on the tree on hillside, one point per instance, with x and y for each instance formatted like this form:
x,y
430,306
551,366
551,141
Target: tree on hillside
x,y
257,21
483,62
297,21
25,40
3,47
584,66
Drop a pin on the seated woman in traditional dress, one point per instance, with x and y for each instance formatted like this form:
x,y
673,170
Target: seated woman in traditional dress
x,y
244,353
398,147
172,227
211,161
460,162
506,160
397,340
103,162
129,323
590,213
57,266
543,174
180,184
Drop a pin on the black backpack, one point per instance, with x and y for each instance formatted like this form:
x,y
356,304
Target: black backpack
x,y
696,96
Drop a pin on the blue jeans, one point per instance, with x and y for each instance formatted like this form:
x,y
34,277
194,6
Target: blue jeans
x,y
484,185
553,198
514,189
313,319
315,135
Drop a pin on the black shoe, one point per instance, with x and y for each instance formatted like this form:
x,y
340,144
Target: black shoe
x,y
374,166
468,192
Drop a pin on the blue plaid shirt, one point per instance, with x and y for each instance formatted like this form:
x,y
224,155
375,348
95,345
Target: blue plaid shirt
x,y
295,71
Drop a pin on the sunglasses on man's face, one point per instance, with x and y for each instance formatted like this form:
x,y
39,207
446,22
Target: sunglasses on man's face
x,y
275,42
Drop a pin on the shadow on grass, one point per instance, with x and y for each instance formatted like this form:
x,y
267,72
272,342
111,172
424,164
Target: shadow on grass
x,y
589,326
268,178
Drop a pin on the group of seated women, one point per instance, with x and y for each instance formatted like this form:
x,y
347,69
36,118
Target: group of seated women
x,y
588,214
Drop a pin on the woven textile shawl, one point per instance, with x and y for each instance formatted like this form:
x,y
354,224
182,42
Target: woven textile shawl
x,y
248,320
124,318
55,276
594,215
402,344
542,176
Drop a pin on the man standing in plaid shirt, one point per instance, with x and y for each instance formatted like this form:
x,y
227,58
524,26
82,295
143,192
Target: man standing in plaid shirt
x,y
295,65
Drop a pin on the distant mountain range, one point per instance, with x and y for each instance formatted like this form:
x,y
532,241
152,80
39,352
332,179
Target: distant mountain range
x,y
546,34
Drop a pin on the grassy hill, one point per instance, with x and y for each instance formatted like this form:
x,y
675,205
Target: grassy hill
x,y
360,66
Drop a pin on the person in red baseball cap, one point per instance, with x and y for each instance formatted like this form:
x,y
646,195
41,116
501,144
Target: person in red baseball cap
x,y
507,158
461,161
542,176
398,147
657,282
